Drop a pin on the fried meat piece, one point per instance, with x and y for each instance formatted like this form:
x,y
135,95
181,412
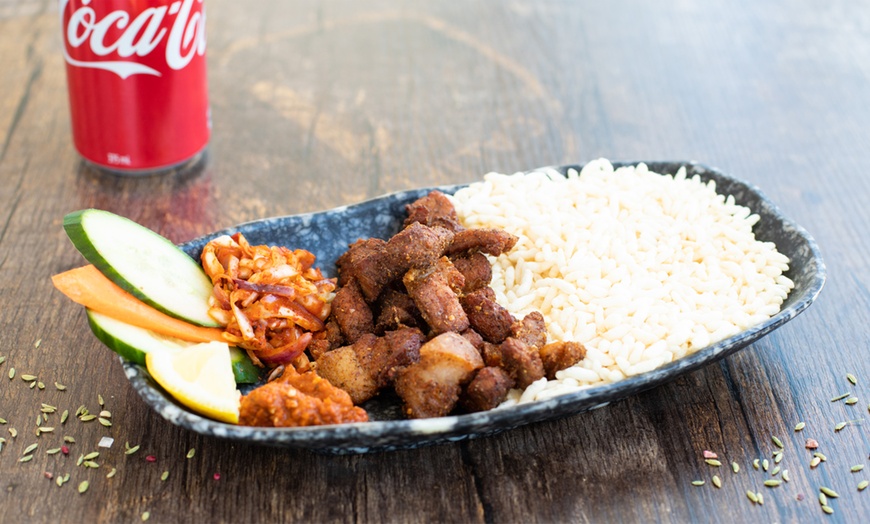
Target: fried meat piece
x,y
351,312
560,355
344,369
298,400
491,354
521,362
397,310
417,246
434,209
488,389
318,347
431,386
434,291
476,269
532,330
487,316
490,241
475,339
367,261
396,349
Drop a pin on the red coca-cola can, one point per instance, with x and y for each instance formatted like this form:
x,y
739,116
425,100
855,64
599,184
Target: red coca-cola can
x,y
137,82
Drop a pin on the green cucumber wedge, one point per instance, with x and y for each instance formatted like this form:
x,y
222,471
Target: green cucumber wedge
x,y
133,343
143,263
244,370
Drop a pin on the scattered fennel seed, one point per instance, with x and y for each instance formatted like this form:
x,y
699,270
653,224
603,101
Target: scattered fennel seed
x,y
11,373
64,416
863,485
851,378
856,468
839,426
713,462
30,448
774,472
777,442
698,482
852,400
777,459
165,476
106,422
828,509
59,386
823,500
132,450
83,486
799,426
785,476
735,467
40,385
772,483
111,473
100,400
755,463
751,496
821,456
146,515
28,378
53,451
26,458
829,492
841,397
765,464
92,455
815,462
717,481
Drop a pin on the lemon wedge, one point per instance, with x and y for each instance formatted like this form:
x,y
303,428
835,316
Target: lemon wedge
x,y
200,377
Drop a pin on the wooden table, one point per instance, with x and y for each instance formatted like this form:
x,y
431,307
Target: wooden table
x,y
320,104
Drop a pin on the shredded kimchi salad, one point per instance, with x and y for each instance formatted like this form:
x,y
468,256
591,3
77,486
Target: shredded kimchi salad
x,y
270,299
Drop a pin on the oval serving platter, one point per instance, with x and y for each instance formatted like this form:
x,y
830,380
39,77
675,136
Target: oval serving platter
x,y
328,233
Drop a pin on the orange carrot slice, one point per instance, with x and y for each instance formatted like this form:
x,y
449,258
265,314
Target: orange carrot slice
x,y
90,288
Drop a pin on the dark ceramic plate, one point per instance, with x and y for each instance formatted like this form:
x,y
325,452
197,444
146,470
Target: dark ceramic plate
x,y
327,235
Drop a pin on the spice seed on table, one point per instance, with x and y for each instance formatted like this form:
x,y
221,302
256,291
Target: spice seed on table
x,y
799,426
829,492
841,397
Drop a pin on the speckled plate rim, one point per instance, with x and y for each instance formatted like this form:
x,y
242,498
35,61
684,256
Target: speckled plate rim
x,y
399,434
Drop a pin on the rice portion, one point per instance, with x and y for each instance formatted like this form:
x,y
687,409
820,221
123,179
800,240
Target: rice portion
x,y
642,268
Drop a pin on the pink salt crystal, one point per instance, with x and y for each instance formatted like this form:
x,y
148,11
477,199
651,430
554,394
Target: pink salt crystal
x,y
64,450
812,443
800,496
217,476
710,455
151,458
48,475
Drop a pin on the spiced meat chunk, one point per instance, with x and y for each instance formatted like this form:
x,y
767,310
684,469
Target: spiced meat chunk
x,y
522,362
344,368
475,339
476,269
367,262
395,350
298,400
486,316
434,291
560,355
490,241
431,386
434,209
531,329
397,310
417,246
488,389
351,312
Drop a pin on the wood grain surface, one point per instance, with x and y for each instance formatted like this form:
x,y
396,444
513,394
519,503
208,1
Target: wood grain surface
x,y
320,104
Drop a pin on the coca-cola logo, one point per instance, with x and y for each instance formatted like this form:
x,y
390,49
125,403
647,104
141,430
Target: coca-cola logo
x,y
126,40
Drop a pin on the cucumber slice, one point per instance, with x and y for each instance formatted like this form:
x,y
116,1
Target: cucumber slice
x,y
133,343
143,263
243,369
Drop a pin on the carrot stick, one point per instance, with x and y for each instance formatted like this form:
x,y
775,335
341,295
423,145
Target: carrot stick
x,y
90,288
